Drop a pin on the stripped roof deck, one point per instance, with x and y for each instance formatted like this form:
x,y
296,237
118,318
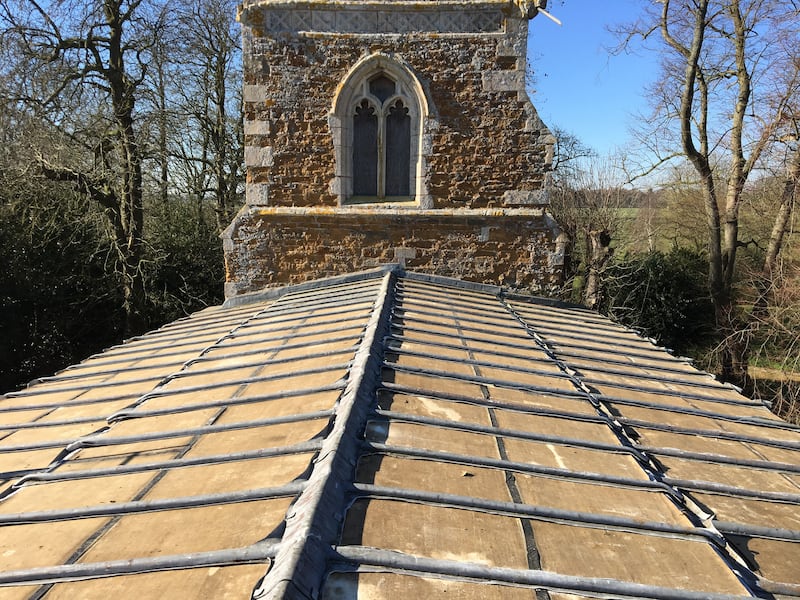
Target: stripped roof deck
x,y
388,434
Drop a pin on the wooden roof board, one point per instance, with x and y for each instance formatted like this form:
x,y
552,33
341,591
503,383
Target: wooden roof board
x,y
387,435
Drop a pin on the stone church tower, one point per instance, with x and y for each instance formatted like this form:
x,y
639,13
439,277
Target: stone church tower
x,y
391,131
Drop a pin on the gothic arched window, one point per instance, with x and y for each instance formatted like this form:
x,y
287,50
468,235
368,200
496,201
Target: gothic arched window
x,y
381,141
377,124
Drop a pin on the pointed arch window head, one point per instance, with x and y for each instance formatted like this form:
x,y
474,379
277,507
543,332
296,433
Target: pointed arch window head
x,y
379,114
382,87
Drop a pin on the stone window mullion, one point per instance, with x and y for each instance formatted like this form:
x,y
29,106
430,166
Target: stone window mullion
x,y
382,153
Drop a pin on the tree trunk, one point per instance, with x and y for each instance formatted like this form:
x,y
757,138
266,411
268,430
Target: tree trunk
x,y
599,251
783,219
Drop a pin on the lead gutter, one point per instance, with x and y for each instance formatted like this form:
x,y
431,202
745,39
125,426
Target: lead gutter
x,y
313,522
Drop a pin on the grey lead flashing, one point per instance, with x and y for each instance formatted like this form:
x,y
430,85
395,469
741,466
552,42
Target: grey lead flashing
x,y
541,513
223,403
76,372
479,380
761,465
74,402
364,559
400,339
186,374
43,424
291,324
283,328
721,489
353,291
724,401
593,328
97,440
651,467
742,529
661,391
318,309
668,359
275,293
714,384
779,588
423,306
492,403
45,389
479,340
245,380
481,363
391,416
144,348
652,353
259,552
519,334
43,477
712,434
706,414
220,354
144,506
526,468
546,305
451,283
313,524
202,359
144,343
552,334
593,322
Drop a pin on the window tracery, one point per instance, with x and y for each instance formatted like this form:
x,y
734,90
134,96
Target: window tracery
x,y
377,123
381,141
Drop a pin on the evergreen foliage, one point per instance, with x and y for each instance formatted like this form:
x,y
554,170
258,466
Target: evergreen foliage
x,y
663,295
59,301
60,298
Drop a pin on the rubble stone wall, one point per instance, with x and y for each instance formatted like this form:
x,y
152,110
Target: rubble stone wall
x,y
482,137
480,157
512,247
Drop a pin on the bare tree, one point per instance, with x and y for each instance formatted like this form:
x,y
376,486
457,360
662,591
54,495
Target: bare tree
x,y
728,75
588,201
210,151
79,68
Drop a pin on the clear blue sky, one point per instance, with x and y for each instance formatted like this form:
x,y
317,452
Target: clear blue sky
x,y
580,86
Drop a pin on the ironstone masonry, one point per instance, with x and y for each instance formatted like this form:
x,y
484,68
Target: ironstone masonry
x,y
391,131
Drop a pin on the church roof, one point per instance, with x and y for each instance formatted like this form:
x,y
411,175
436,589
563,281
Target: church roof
x,y
394,435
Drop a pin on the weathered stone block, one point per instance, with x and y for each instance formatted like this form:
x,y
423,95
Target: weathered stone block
x,y
503,81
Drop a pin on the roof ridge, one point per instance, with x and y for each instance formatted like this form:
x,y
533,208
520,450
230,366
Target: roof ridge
x,y
313,521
